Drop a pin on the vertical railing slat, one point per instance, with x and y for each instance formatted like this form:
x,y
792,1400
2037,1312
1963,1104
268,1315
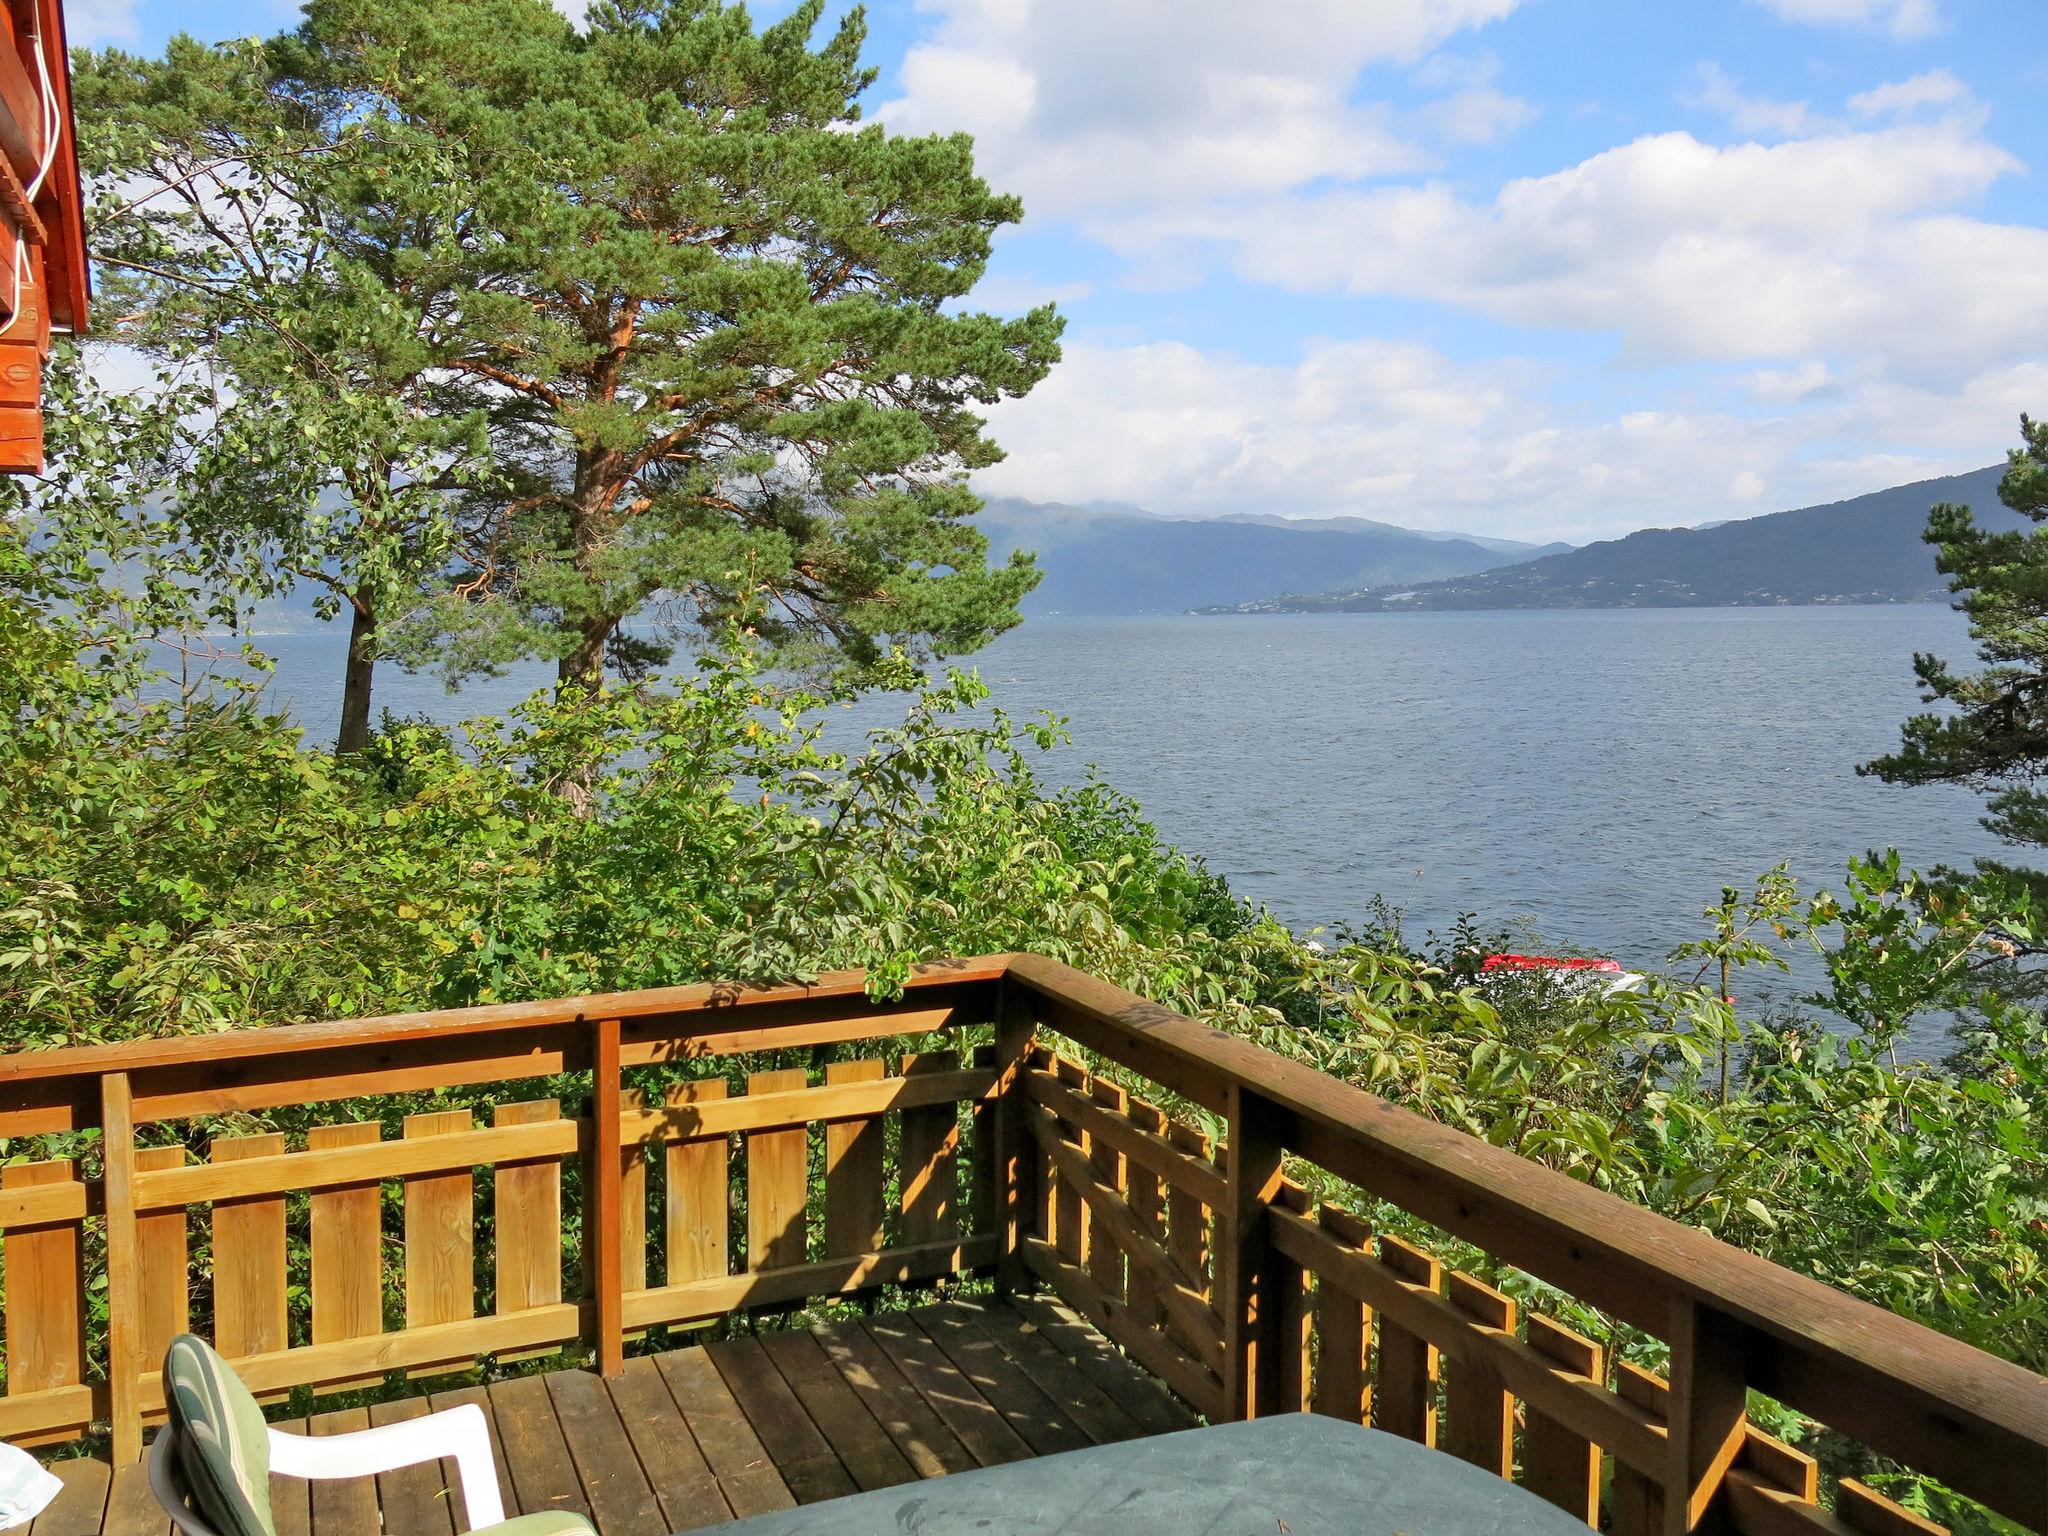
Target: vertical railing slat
x,y
699,1180
1187,1226
1635,1499
440,1232
1558,1464
1404,1386
1343,1327
1021,1189
855,1183
777,1168
526,1216
1292,1297
249,1316
163,1246
1105,1257
347,1247
1070,1215
984,1201
124,1268
1480,1415
1147,1195
603,1229
928,1148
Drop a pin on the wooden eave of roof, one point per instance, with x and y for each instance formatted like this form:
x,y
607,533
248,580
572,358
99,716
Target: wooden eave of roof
x,y
44,279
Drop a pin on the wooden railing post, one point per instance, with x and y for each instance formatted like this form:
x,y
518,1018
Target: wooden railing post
x,y
124,1269
1247,1265
1707,1414
602,1224
1016,1171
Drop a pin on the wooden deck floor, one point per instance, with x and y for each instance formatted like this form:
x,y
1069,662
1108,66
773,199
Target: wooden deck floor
x,y
723,1430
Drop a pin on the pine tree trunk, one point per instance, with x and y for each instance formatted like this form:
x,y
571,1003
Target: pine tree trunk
x,y
357,678
583,667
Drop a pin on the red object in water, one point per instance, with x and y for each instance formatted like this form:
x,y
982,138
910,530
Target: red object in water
x,y
1545,963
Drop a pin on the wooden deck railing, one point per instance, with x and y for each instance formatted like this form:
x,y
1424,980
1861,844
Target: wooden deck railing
x,y
1208,1265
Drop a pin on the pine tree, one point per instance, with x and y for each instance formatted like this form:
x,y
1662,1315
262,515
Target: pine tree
x,y
1994,736
715,322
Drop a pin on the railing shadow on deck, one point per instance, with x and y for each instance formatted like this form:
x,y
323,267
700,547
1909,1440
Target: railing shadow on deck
x,y
352,1255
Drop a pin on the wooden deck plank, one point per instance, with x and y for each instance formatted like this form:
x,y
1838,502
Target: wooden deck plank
x,y
621,1498
1035,1416
920,1434
343,1506
82,1507
985,1432
1092,1409
751,1482
863,1447
684,1484
480,1396
801,1454
1140,1395
291,1498
417,1500
543,1476
132,1509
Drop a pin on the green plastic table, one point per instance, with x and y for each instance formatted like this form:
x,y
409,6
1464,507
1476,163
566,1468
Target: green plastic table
x,y
1294,1475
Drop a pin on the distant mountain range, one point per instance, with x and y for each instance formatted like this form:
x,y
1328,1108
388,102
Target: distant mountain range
x,y
1114,560
1864,550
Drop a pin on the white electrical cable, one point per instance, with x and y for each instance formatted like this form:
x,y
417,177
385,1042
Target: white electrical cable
x,y
53,128
53,119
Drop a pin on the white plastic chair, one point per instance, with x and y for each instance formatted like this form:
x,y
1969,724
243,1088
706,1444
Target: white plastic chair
x,y
209,1404
454,1434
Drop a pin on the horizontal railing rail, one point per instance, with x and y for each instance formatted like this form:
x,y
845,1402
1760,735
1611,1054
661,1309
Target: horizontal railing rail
x,y
1207,1263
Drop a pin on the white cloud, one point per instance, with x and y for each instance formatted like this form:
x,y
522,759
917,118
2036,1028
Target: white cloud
x,y
1079,104
1686,250
1781,386
1715,91
1898,98
99,23
1901,18
1397,431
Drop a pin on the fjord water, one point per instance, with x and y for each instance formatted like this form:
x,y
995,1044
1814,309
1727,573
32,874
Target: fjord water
x,y
1597,775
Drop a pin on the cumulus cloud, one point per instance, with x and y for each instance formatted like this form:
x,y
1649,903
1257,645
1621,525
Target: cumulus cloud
x,y
1397,431
1079,105
1901,18
1684,249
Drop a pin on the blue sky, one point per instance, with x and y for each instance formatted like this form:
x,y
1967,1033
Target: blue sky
x,y
1532,268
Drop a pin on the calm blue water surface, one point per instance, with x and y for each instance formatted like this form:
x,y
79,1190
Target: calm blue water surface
x,y
1598,775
